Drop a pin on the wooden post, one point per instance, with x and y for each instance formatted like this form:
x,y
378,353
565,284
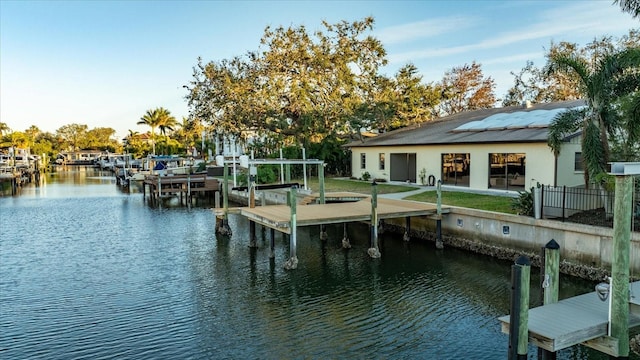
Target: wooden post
x,y
620,265
407,229
374,251
519,317
323,232
288,173
252,234
292,263
345,239
321,181
439,243
272,244
550,285
223,228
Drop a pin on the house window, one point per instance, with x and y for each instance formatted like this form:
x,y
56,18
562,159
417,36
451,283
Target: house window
x,y
363,161
507,170
381,157
456,169
578,164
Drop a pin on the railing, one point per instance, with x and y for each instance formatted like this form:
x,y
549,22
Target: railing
x,y
563,201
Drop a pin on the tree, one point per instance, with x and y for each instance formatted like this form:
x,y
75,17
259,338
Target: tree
x,y
615,76
4,129
157,118
466,88
299,89
539,85
630,6
73,135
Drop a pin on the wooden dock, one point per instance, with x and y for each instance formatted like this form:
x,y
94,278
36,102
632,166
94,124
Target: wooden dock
x,y
183,185
577,320
358,208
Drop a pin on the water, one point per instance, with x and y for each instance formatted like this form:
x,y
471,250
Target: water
x,y
88,271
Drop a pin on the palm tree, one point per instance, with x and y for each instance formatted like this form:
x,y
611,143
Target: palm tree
x,y
157,118
630,6
4,129
601,87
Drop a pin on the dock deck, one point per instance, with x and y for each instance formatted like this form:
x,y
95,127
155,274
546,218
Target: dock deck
x,y
279,216
576,320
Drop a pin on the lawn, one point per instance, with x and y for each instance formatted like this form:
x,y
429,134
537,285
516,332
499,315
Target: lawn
x,y
453,198
358,186
469,200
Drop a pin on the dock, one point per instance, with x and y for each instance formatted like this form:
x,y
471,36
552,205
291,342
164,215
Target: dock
x,y
183,185
581,319
356,208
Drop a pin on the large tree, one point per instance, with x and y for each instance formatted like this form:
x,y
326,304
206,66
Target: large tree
x,y
466,88
299,89
614,77
73,135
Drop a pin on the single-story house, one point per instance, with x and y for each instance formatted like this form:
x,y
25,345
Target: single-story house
x,y
500,148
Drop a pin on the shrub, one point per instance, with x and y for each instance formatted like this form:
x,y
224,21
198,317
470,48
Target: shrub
x,y
523,204
366,176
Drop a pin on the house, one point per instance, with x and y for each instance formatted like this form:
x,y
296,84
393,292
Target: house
x,y
500,148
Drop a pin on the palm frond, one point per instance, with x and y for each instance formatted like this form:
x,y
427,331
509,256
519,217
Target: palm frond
x,y
563,125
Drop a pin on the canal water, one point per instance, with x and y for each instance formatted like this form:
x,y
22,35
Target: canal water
x,y
91,271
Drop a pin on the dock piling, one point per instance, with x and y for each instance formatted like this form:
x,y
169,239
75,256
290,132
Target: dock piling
x,y
292,263
550,285
519,317
374,251
439,243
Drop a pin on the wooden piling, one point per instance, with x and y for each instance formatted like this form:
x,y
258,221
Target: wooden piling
x,y
407,229
519,317
374,251
292,263
321,181
550,285
272,244
620,264
439,243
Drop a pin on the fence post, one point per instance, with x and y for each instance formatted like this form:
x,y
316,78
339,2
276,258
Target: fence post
x,y
564,200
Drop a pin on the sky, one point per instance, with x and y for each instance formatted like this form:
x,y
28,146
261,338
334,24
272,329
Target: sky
x,y
105,63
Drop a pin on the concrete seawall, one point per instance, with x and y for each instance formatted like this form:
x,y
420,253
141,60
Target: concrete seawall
x,y
585,251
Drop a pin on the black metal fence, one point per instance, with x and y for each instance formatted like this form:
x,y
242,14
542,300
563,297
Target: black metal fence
x,y
562,202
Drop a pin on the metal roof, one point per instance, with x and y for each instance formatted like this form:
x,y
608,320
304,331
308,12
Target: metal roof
x,y
513,124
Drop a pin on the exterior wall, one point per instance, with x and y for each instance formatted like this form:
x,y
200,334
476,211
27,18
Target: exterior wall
x,y
566,161
579,244
540,162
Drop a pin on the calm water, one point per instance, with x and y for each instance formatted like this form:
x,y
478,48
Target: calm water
x,y
88,271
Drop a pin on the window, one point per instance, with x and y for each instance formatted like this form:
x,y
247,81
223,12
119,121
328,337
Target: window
x,y
507,170
381,157
456,169
363,161
578,164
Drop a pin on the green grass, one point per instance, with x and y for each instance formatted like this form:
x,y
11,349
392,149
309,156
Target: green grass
x,y
358,186
463,199
468,200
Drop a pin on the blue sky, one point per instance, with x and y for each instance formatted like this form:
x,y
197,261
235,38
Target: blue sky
x,y
104,63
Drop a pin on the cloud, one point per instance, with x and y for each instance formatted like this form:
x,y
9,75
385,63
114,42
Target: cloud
x,y
584,19
423,29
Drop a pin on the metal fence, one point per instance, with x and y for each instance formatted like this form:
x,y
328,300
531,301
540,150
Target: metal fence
x,y
563,201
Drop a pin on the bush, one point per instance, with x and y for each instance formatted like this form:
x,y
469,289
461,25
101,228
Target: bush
x,y
366,176
523,204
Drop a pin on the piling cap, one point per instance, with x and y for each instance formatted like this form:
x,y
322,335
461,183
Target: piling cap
x,y
374,182
523,260
552,245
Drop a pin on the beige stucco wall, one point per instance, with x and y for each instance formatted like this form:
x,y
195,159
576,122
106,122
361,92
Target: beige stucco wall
x,y
540,165
566,161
